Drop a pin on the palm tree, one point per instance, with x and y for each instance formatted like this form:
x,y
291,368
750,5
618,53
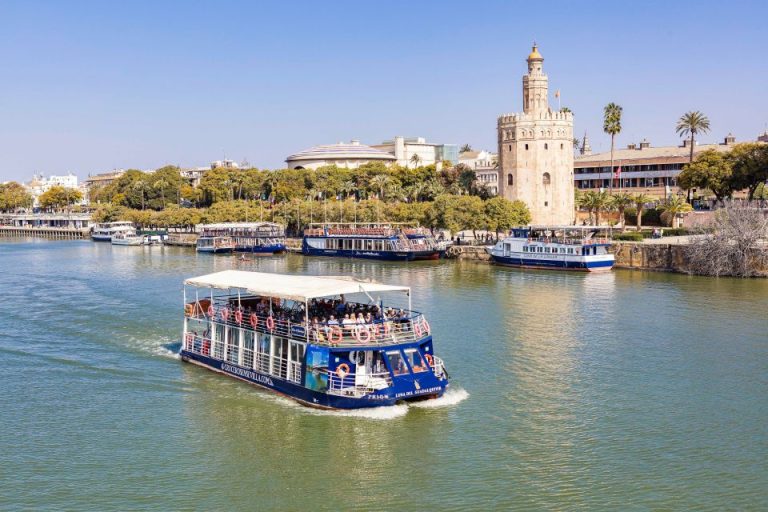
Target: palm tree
x,y
415,159
674,206
465,148
640,201
380,182
348,187
612,126
415,191
395,191
595,202
692,123
141,187
161,185
620,202
566,109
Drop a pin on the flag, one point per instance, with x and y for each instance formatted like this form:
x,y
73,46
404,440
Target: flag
x,y
617,174
557,93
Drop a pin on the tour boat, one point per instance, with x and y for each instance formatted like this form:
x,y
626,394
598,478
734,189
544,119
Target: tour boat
x,y
555,247
253,237
279,332
104,231
423,244
215,244
124,238
356,240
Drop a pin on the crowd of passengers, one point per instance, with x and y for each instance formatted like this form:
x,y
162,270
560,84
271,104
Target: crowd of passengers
x,y
325,314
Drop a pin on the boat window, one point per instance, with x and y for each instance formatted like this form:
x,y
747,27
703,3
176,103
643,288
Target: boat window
x,y
397,363
415,360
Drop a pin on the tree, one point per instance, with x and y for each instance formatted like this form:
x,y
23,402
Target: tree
x,y
750,166
640,201
595,202
503,215
673,207
566,110
59,197
415,159
465,148
13,195
140,187
620,202
160,185
612,126
692,123
467,178
712,170
380,182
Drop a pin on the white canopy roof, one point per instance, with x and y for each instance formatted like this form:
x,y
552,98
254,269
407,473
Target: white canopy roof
x,y
294,287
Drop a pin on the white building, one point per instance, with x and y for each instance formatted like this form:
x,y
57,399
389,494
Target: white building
x,y
479,159
350,155
40,184
416,151
489,178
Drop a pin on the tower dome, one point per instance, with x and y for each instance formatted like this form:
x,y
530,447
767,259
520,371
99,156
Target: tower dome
x,y
535,55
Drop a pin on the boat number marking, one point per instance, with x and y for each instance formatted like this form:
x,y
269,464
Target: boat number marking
x,y
248,374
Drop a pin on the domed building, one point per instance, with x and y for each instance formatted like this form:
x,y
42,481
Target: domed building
x,y
350,155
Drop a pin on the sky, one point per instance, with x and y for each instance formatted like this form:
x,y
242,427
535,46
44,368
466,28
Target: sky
x,y
87,87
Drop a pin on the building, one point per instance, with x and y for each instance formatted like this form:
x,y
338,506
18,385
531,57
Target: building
x,y
479,159
489,178
536,152
102,180
350,155
641,168
40,184
417,152
227,164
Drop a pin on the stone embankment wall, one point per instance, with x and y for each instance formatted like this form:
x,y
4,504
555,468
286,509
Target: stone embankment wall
x,y
44,232
666,257
467,252
183,239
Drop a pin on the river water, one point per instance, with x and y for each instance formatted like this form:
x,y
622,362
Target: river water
x,y
624,390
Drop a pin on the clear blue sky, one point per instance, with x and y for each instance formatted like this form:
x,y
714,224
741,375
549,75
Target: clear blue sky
x,y
87,87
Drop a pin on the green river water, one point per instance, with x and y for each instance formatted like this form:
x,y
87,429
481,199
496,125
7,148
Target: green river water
x,y
618,391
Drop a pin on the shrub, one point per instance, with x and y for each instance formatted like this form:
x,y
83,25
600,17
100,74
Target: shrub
x,y
630,236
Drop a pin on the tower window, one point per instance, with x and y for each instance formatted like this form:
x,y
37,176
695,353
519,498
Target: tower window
x,y
510,179
546,203
526,147
546,179
510,147
561,146
546,146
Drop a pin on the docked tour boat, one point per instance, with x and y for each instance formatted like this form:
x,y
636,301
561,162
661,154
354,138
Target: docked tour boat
x,y
215,244
555,247
253,237
357,240
104,231
280,332
126,238
423,244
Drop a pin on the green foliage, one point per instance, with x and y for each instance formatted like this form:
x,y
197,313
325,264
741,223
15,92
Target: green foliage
x,y
711,170
750,166
612,119
692,123
59,197
631,236
13,195
503,215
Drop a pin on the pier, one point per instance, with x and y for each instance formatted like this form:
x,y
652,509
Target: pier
x,y
62,226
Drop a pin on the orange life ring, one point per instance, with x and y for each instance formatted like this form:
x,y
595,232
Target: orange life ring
x,y
270,323
239,316
254,320
188,309
206,348
430,359
427,328
417,329
211,311
225,314
335,335
190,339
342,370
363,335
387,328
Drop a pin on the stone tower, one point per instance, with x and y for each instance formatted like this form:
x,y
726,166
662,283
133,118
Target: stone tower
x,y
536,152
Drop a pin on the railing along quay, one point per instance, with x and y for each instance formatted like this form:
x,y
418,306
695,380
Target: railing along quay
x,y
45,232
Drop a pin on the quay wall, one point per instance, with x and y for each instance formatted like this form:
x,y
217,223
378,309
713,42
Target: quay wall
x,y
182,239
45,232
467,252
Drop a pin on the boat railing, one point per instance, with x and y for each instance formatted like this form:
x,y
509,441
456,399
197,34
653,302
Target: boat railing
x,y
352,384
568,240
438,367
380,332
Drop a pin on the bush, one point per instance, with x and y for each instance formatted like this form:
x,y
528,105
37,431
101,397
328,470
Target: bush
x,y
630,236
675,232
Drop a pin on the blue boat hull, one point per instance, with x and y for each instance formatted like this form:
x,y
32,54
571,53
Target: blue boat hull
x,y
302,394
211,250
585,266
369,255
262,249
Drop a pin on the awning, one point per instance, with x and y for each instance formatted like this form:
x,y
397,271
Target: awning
x,y
293,287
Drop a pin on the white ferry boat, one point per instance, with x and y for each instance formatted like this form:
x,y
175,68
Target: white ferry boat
x,y
582,248
127,238
253,237
104,231
293,334
215,244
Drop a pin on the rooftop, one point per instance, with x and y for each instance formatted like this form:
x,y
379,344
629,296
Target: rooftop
x,y
644,153
341,150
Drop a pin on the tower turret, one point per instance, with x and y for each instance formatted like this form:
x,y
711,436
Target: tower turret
x,y
535,85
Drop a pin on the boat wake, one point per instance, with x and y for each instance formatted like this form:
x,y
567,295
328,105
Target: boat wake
x,y
373,413
452,396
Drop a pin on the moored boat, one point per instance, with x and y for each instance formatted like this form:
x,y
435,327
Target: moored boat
x,y
253,237
423,244
103,232
357,240
215,244
283,333
126,238
582,248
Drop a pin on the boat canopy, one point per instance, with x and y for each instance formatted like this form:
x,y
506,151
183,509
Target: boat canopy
x,y
292,287
237,225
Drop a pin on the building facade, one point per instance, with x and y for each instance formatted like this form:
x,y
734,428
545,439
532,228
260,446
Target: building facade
x,y
479,159
536,152
639,168
426,153
349,155
40,184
